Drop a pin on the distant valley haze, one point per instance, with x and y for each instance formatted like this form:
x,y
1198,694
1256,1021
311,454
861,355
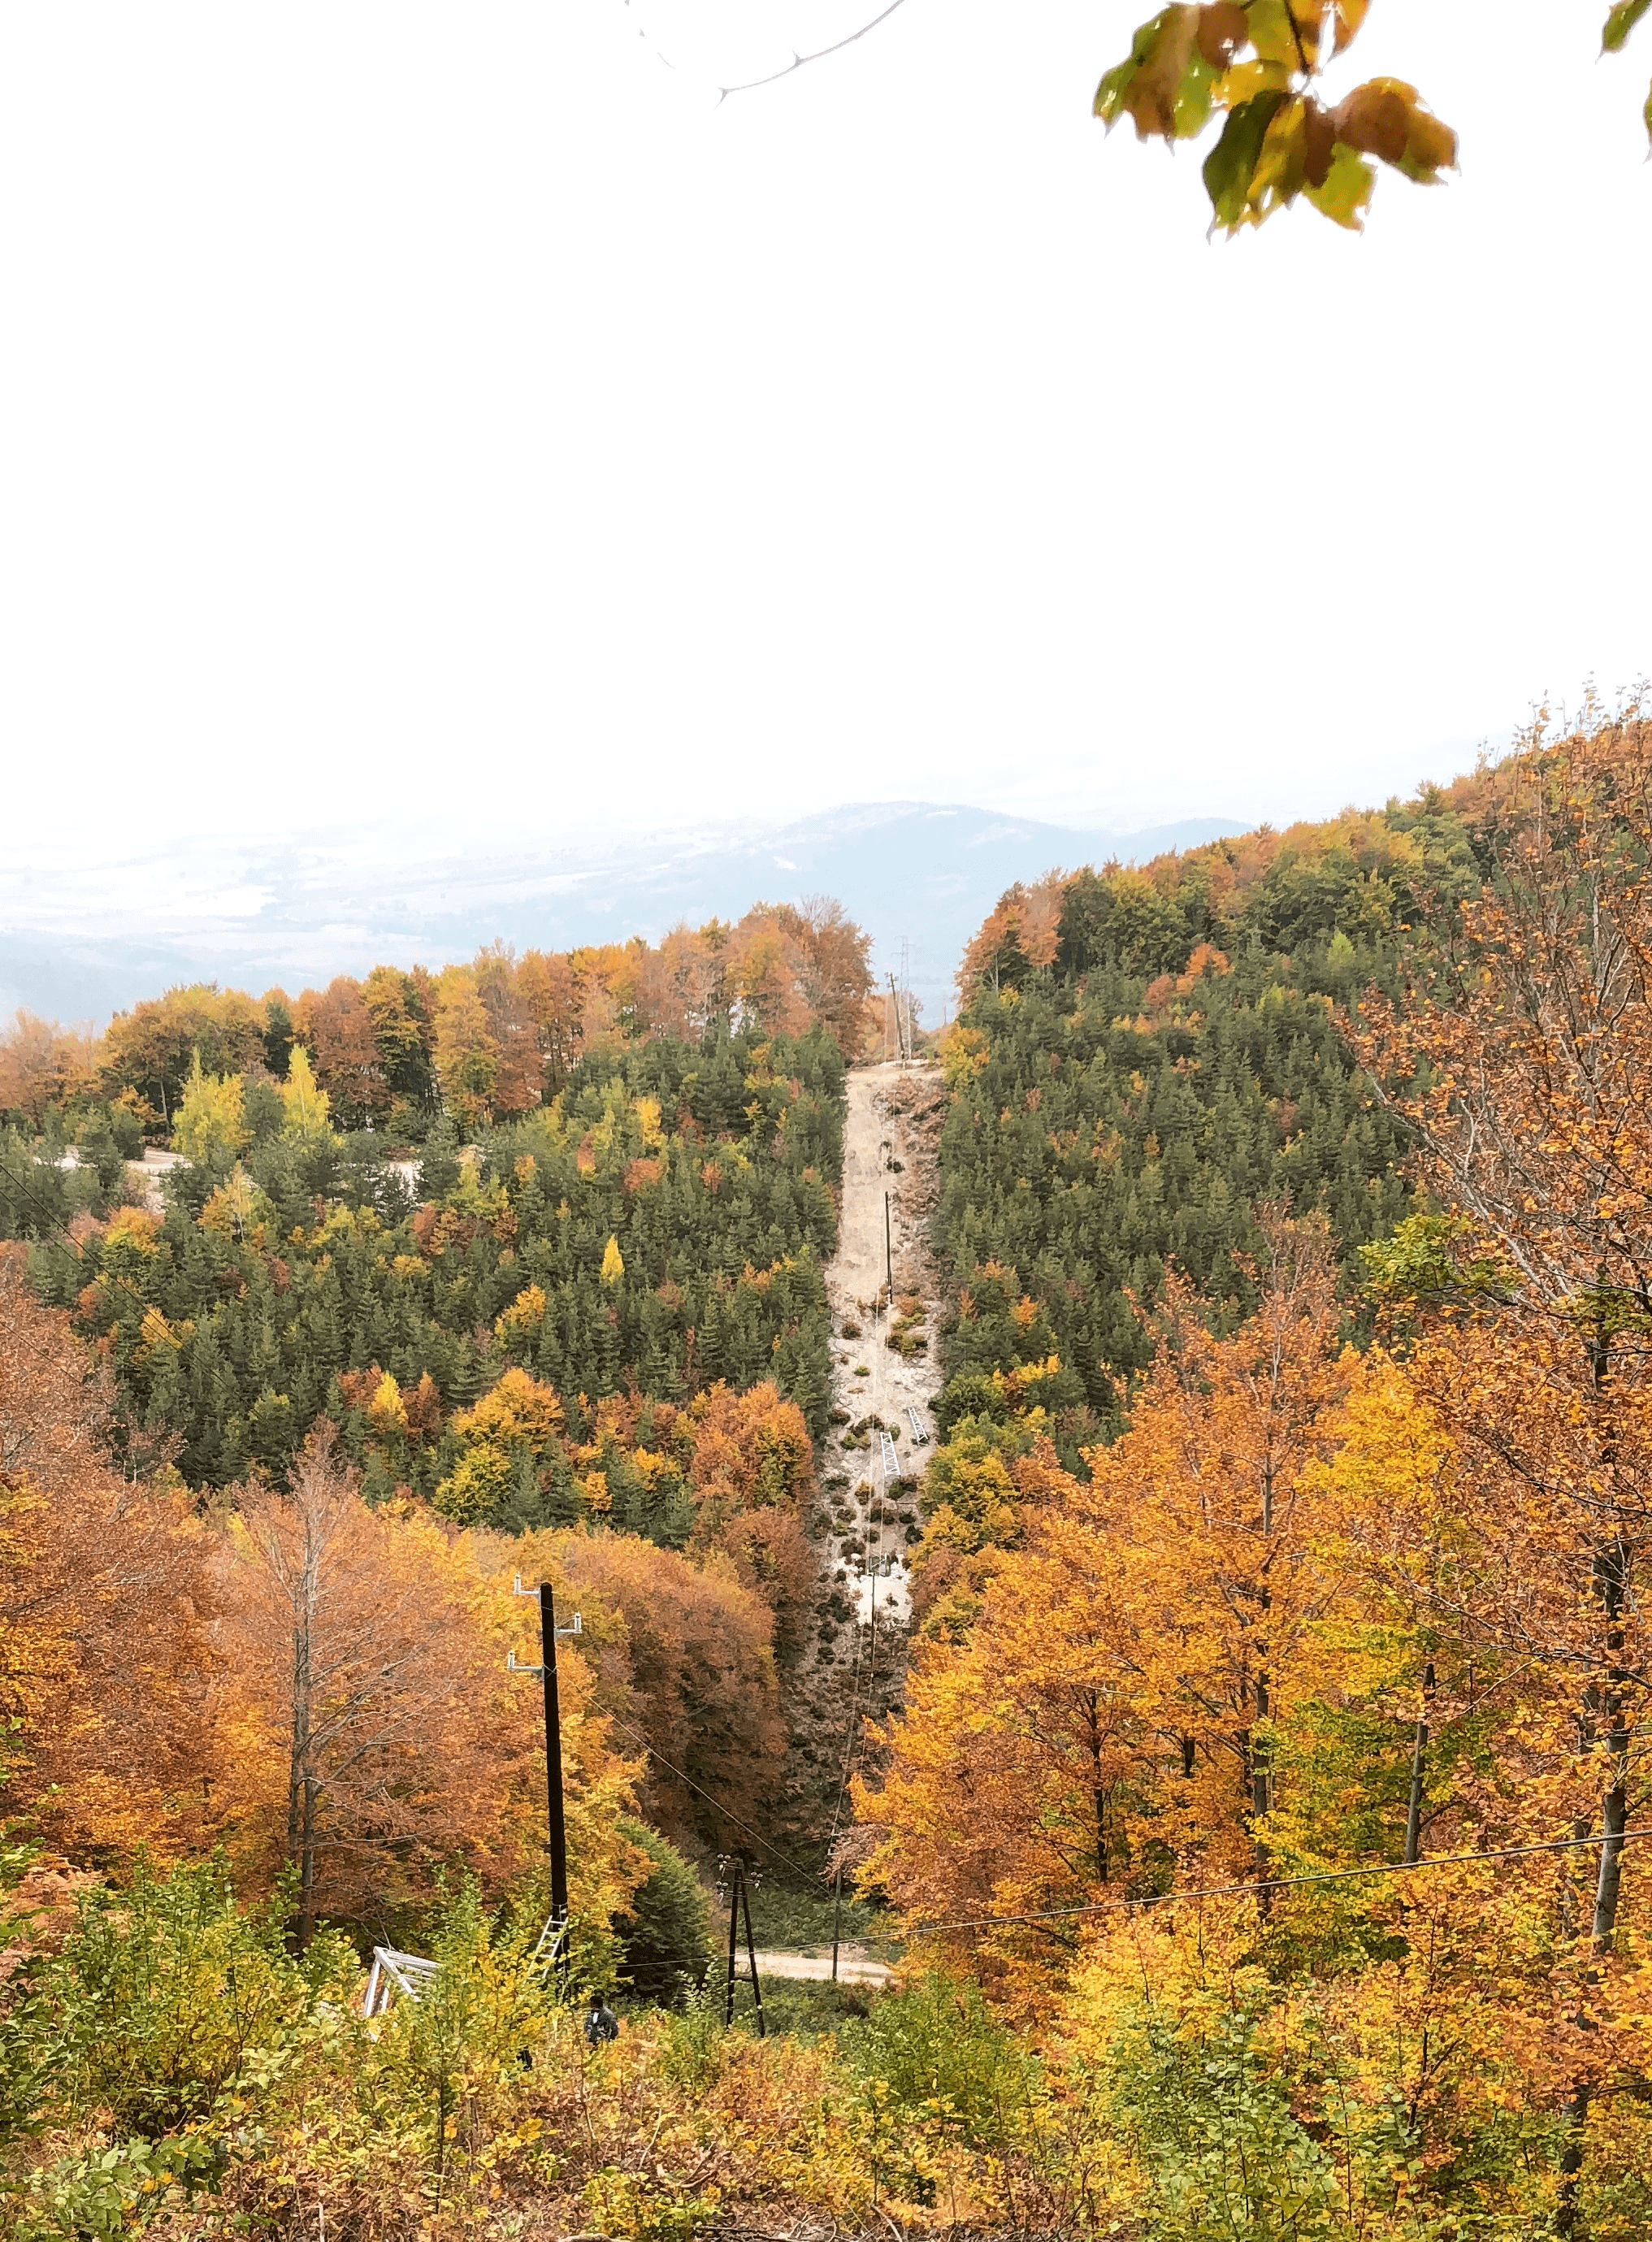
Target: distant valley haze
x,y
80,938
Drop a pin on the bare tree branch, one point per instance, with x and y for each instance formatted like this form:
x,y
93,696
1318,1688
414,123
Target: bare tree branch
x,y
798,61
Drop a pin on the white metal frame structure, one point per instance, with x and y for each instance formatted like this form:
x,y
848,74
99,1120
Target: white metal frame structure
x,y
394,1972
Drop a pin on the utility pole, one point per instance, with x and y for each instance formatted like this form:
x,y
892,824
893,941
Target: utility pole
x,y
900,998
556,1820
751,1955
888,1250
738,1902
734,1933
555,1816
838,1916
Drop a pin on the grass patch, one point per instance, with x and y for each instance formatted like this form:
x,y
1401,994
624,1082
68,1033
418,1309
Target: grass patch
x,y
800,1922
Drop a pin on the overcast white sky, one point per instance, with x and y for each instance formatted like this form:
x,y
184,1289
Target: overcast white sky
x,y
455,413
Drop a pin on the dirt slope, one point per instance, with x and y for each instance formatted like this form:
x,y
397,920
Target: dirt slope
x,y
868,1468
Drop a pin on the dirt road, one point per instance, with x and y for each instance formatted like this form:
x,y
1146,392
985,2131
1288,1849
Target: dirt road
x,y
887,1187
854,1967
854,1675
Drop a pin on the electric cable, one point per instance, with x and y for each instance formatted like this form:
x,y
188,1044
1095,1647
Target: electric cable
x,y
59,1230
849,1736
660,1758
1277,1883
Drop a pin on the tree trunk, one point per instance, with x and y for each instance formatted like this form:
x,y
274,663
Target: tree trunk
x,y
1611,1576
306,1866
1419,1769
1611,1585
301,1777
1097,1789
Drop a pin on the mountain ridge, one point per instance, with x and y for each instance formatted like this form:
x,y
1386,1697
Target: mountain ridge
x,y
84,940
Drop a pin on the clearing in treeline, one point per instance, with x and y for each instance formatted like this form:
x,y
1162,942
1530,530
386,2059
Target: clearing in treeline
x,y
1189,1598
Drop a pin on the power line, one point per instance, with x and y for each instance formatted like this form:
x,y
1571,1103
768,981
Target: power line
x,y
849,1736
1280,1883
58,1228
663,1762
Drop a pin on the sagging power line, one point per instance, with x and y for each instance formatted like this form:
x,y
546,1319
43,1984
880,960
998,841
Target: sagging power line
x,y
1276,1883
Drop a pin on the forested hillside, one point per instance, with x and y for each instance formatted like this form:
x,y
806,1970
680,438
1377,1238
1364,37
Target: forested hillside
x,y
644,1207
1278,1717
562,1307
659,1228
399,1051
1257,1837
1143,1059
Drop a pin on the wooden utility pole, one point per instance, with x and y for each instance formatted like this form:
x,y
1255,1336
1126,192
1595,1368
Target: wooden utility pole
x,y
888,1250
556,1820
838,1916
557,1927
734,1934
751,1955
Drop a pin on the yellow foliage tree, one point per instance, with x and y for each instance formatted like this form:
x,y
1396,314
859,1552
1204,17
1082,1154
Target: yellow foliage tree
x,y
304,1104
208,1125
517,1418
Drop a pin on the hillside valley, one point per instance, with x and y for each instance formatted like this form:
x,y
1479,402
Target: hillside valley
x,y
1128,1519
80,938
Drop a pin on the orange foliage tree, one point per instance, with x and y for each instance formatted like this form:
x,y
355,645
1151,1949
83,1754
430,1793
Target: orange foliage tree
x,y
42,1065
683,1662
1020,931
1524,1068
1112,1716
108,1613
384,1736
150,1050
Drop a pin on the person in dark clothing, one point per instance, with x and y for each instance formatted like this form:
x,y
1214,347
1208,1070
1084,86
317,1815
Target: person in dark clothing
x,y
600,2022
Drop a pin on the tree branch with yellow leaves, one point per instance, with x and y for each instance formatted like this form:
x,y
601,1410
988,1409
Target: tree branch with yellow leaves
x,y
1257,64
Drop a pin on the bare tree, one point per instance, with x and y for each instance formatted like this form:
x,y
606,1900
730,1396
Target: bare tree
x,y
369,1638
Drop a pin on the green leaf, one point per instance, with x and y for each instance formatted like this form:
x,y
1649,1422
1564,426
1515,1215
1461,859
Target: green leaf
x,y
1275,33
1164,86
1231,165
1193,97
1345,195
1109,101
1621,20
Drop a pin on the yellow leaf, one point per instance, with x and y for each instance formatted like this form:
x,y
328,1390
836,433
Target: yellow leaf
x,y
1349,13
1346,196
1275,34
1246,80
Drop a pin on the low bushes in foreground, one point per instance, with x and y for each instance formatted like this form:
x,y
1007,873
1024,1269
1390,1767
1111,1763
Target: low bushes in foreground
x,y
168,2067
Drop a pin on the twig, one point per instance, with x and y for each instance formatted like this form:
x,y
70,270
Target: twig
x,y
799,62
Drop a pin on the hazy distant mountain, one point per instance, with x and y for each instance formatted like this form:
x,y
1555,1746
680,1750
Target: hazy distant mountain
x,y
79,941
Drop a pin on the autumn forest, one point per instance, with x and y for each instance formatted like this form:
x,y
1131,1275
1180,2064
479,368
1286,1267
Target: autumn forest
x,y
1158,1636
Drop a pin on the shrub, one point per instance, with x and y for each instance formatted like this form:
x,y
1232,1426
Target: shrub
x,y
945,2060
163,1991
665,1933
449,2056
